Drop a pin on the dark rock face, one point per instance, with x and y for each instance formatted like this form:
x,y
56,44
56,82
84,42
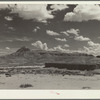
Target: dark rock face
x,y
23,50
72,66
98,56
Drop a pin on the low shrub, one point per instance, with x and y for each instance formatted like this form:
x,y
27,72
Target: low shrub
x,y
86,87
25,85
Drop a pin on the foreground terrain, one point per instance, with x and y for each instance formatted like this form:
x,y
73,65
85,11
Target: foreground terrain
x,y
37,77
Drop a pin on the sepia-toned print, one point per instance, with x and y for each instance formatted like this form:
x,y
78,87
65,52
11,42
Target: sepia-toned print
x,y
50,46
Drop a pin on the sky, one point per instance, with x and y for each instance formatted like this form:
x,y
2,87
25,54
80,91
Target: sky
x,y
51,27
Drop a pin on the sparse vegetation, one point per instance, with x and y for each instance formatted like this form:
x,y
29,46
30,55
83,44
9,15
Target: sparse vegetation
x,y
86,87
53,71
25,85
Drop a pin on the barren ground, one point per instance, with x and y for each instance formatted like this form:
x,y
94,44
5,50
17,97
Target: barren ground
x,y
41,78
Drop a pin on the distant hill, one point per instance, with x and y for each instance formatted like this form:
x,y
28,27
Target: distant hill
x,y
25,56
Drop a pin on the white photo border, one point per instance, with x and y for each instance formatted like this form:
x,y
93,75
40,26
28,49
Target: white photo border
x,y
49,94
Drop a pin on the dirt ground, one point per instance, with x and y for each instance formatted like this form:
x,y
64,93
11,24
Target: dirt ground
x,y
44,81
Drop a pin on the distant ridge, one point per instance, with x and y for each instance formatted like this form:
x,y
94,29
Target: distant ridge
x,y
21,51
27,57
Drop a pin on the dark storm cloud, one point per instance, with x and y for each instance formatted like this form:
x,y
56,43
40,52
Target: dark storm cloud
x,y
56,13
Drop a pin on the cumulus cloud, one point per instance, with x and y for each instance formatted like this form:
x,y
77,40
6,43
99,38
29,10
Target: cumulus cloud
x,y
62,48
43,46
93,48
29,11
91,43
81,38
36,29
66,46
64,32
77,37
66,50
40,45
59,39
59,48
60,7
33,11
7,48
8,18
73,31
52,33
84,12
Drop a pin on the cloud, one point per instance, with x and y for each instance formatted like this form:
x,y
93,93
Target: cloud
x,y
94,48
84,13
9,40
59,48
52,33
7,48
65,50
59,39
43,46
33,11
22,39
91,43
64,32
60,7
36,29
40,45
66,46
77,36
38,12
81,38
11,28
73,31
8,18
